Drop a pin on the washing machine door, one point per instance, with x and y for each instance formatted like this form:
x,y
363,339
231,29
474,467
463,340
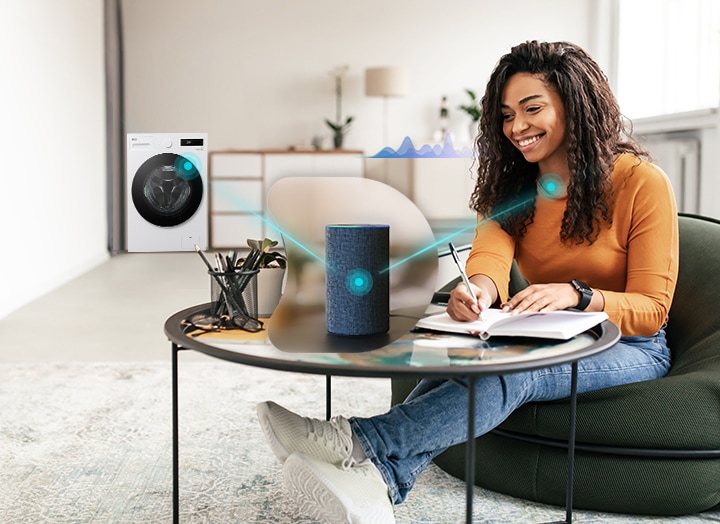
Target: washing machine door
x,y
167,189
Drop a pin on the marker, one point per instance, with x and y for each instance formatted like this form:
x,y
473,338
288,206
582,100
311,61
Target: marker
x,y
464,277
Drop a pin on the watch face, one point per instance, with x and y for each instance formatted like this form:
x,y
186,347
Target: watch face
x,y
581,286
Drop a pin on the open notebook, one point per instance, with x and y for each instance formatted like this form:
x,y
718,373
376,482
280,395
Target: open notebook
x,y
562,324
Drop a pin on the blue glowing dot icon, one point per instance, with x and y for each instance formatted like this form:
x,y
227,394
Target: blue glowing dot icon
x,y
187,166
358,282
551,186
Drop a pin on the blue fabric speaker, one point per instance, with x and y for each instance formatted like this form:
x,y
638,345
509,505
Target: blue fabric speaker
x,y
357,278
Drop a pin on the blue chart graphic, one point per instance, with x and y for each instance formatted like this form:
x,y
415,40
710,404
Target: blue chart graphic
x,y
407,150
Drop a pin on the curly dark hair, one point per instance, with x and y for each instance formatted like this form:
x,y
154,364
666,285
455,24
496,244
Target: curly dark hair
x,y
506,187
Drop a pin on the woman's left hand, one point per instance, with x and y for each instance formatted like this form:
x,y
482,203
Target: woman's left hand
x,y
543,297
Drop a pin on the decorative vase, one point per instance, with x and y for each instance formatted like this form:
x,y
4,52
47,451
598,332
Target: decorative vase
x,y
338,139
269,290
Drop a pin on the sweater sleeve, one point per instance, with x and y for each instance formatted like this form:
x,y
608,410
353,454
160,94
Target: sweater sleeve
x,y
492,255
652,255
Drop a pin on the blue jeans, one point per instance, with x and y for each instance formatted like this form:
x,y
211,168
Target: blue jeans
x,y
403,441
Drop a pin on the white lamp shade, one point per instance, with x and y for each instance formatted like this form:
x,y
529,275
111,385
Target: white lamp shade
x,y
385,81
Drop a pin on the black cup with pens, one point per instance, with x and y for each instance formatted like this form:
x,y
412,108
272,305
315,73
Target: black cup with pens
x,y
239,296
233,291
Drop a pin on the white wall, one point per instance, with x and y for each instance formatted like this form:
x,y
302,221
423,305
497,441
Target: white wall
x,y
255,74
252,74
705,126
52,138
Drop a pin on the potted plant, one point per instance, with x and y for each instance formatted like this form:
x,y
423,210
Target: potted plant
x,y
339,127
268,259
473,110
272,266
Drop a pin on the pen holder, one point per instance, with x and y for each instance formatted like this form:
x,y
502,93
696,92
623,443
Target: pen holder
x,y
237,296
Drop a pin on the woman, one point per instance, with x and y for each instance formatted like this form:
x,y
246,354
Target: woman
x,y
565,192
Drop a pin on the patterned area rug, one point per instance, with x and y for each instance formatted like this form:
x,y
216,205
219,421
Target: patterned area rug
x,y
91,443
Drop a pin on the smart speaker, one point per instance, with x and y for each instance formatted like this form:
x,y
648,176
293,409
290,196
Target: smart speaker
x,y
357,278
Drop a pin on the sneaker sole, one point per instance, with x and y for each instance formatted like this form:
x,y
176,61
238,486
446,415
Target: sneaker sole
x,y
263,413
313,493
308,489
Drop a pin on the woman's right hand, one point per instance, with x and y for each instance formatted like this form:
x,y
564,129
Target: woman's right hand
x,y
465,306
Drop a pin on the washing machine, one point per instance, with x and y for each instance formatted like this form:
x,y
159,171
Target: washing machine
x,y
167,192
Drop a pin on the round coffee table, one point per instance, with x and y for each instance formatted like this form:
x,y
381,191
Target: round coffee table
x,y
416,354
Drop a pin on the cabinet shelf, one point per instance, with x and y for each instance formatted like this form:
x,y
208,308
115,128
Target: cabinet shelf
x,y
240,181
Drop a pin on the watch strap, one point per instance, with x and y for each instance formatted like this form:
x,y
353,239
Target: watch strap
x,y
585,294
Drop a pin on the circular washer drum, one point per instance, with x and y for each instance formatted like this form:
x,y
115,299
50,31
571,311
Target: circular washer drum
x,y
167,189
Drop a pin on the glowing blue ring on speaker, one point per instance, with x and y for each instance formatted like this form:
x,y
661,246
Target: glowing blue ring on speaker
x,y
358,282
187,166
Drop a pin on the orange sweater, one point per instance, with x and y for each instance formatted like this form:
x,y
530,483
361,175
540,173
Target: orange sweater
x,y
633,264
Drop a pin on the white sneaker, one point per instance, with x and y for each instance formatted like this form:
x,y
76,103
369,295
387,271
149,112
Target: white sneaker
x,y
288,433
356,495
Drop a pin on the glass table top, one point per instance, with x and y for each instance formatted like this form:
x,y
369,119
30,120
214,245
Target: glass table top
x,y
416,353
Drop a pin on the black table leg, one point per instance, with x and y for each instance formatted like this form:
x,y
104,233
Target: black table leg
x,y
328,396
571,448
175,442
470,453
571,445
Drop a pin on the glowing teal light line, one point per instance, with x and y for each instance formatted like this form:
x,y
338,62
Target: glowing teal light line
x,y
391,266
273,226
427,248
448,237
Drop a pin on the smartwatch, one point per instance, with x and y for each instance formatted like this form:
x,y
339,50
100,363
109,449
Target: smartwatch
x,y
585,293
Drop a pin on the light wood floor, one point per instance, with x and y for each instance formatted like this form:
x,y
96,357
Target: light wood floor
x,y
113,312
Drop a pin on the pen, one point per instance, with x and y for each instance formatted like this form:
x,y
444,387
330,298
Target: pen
x,y
226,292
465,279
204,258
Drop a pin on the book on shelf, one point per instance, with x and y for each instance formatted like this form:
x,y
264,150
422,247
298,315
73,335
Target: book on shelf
x,y
562,324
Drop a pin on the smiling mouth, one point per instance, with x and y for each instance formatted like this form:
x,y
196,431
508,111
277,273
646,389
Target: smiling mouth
x,y
528,141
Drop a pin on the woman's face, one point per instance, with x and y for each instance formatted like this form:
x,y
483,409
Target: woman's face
x,y
534,121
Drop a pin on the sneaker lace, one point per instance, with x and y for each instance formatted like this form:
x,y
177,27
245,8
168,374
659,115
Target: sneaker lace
x,y
332,435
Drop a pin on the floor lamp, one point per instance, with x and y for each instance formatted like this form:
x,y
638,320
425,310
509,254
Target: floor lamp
x,y
385,82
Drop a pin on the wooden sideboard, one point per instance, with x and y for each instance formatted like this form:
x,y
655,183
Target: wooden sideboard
x,y
240,181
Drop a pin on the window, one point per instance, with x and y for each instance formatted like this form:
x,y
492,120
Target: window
x,y
668,56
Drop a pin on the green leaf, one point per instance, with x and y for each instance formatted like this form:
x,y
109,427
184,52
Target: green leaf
x,y
268,257
339,128
267,244
472,108
333,125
